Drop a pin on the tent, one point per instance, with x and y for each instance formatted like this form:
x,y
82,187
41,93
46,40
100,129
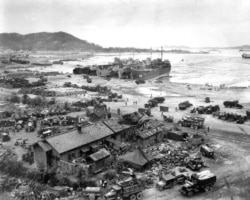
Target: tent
x,y
136,159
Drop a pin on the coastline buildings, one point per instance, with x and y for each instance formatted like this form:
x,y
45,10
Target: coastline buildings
x,y
91,147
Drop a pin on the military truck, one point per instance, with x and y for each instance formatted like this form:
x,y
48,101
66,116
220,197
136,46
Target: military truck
x,y
139,81
195,164
152,103
92,193
130,188
192,122
167,181
184,105
159,99
89,80
207,151
207,100
202,181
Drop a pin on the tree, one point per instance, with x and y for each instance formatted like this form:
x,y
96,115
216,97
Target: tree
x,y
25,99
15,99
37,101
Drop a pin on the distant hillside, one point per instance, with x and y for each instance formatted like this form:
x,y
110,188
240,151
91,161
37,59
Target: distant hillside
x,y
241,47
43,41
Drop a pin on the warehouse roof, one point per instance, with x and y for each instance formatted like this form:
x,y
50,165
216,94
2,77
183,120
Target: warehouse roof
x,y
75,139
115,126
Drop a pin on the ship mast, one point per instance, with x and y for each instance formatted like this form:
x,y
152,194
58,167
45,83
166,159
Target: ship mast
x,y
161,52
151,54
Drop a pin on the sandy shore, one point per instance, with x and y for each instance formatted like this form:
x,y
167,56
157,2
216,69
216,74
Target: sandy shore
x,y
174,93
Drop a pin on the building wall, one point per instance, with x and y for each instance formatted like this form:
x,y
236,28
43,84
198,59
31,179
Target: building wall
x,y
151,140
65,156
40,157
103,72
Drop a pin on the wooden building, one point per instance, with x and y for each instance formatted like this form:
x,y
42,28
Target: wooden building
x,y
74,146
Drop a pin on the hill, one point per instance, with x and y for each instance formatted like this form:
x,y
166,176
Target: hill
x,y
44,41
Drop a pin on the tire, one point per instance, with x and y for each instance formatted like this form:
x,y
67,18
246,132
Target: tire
x,y
132,197
207,188
91,197
139,196
190,193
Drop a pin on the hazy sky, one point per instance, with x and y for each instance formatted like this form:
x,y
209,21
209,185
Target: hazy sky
x,y
138,23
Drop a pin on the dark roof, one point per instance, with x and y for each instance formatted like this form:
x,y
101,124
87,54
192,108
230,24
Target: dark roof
x,y
115,126
102,153
137,157
75,139
44,145
149,132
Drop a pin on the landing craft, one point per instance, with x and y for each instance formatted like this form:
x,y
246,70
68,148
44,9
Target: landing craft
x,y
245,55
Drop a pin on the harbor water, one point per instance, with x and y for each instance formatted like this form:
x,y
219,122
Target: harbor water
x,y
216,68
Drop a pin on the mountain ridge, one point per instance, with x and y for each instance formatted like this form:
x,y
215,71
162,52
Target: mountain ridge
x,y
62,41
54,41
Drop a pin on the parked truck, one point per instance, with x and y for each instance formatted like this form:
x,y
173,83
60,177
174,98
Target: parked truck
x,y
207,151
167,181
184,105
202,181
194,163
192,122
92,193
128,189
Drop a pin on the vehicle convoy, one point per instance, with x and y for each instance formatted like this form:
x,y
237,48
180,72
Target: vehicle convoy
x,y
192,122
128,189
202,181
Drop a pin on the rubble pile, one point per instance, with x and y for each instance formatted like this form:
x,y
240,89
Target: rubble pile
x,y
169,156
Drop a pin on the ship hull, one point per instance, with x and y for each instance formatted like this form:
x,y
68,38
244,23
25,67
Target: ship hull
x,y
244,55
151,74
42,64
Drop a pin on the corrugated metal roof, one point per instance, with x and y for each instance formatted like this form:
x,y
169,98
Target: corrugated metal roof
x,y
102,153
75,139
150,132
115,126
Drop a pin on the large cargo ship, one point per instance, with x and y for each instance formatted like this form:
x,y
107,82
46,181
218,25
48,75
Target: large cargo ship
x,y
146,70
128,69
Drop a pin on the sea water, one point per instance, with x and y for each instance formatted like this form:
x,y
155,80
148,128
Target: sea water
x,y
216,68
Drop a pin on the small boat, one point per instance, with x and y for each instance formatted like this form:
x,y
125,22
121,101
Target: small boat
x,y
245,55
42,63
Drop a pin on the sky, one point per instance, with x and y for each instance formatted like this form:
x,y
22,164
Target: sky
x,y
133,23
